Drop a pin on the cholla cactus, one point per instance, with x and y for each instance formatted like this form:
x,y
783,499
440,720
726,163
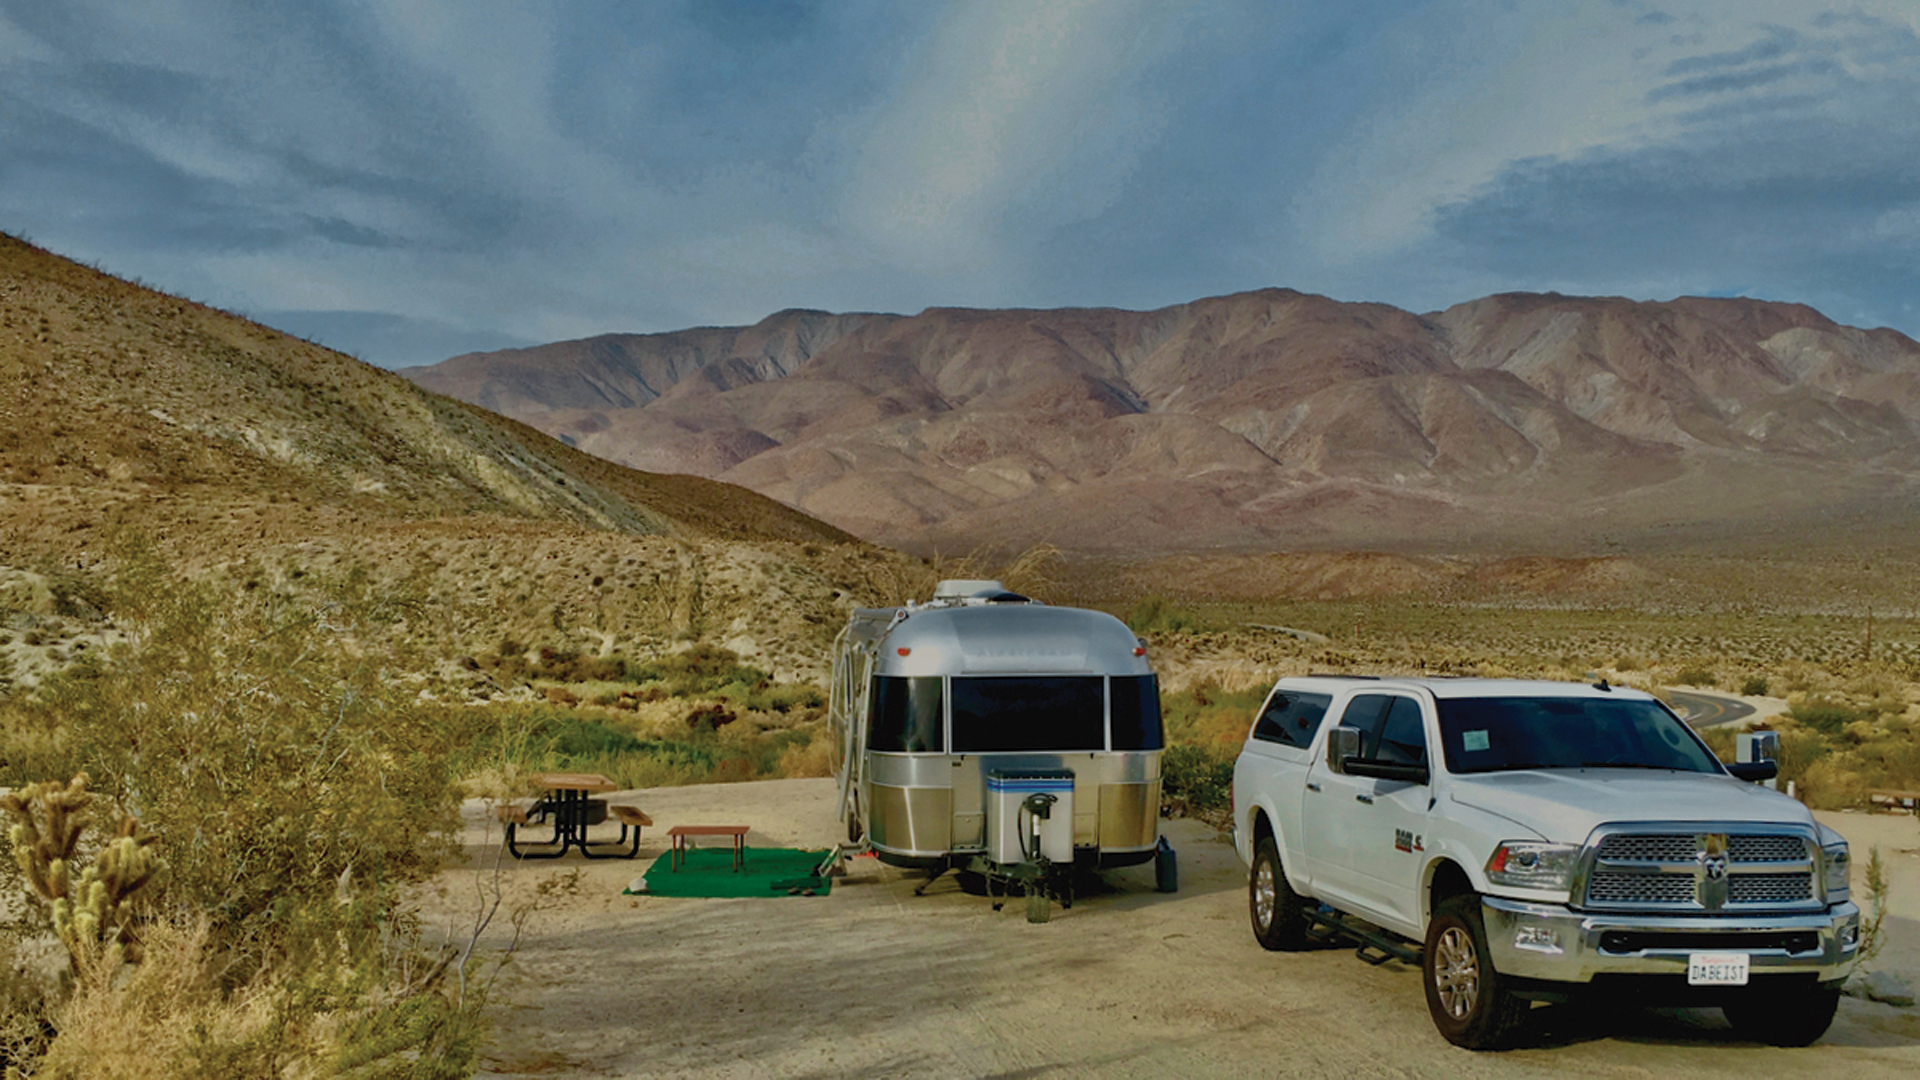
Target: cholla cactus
x,y
96,909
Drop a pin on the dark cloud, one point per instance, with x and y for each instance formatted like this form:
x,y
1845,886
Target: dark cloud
x,y
1700,221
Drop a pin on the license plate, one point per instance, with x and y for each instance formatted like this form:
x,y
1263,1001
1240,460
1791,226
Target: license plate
x,y
1717,969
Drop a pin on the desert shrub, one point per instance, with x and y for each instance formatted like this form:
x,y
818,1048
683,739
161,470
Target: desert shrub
x,y
1207,715
778,697
1720,740
269,757
1873,919
1196,781
294,785
1694,675
27,998
1830,784
547,739
342,1010
700,669
571,666
811,758
1827,715
1754,686
1157,615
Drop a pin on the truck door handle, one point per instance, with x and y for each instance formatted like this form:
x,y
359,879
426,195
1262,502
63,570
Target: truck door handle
x,y
1368,799
1311,786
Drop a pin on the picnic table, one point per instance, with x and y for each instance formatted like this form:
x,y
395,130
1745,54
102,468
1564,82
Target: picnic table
x,y
570,804
679,834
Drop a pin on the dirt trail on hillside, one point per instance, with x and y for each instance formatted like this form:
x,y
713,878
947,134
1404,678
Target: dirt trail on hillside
x,y
875,981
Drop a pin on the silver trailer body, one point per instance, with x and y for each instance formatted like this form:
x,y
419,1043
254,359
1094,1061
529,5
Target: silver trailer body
x,y
949,716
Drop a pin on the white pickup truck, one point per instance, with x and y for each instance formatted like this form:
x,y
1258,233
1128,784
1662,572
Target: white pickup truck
x,y
1532,841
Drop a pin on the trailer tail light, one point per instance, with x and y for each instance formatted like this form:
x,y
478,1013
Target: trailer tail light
x,y
903,650
1139,650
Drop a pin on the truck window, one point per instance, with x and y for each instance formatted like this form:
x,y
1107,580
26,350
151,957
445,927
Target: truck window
x,y
905,718
1363,712
1403,735
1134,705
1291,718
1390,728
1045,712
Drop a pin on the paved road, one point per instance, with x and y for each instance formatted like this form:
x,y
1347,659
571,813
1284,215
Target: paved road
x,y
1706,710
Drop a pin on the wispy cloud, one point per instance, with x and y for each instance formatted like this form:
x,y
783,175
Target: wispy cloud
x,y
1017,117
516,171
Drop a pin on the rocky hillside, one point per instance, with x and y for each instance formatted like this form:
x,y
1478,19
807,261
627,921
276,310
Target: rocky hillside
x,y
130,417
1258,420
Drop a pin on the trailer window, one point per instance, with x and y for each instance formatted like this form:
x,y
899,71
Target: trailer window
x,y
1057,712
906,714
1135,708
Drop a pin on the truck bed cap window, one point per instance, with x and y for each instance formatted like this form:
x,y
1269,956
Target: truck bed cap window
x,y
1291,717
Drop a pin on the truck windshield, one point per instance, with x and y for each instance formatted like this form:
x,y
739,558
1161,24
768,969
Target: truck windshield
x,y
1509,733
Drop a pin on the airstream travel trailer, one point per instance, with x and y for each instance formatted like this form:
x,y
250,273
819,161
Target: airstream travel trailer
x,y
994,735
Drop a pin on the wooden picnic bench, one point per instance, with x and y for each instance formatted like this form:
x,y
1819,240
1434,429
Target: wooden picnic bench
x,y
680,833
1905,800
569,803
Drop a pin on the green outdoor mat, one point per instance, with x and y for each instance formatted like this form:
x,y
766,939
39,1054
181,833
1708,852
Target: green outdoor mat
x,y
708,871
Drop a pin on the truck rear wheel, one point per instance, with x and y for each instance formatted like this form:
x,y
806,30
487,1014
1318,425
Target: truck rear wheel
x,y
1469,1003
1784,1019
1279,916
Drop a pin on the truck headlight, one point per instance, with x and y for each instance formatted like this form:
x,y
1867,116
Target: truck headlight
x,y
1526,864
1839,863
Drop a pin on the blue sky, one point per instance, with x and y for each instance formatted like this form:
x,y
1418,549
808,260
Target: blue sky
x,y
406,180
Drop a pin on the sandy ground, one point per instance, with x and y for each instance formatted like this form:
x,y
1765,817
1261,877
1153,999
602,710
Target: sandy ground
x,y
875,981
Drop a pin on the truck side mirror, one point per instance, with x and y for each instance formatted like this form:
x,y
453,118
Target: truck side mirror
x,y
1757,746
1756,756
1343,742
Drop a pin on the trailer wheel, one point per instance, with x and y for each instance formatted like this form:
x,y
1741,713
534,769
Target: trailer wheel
x,y
1784,1019
1039,907
1468,999
1279,914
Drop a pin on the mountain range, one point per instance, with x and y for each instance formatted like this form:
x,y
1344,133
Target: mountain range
x,y
1260,421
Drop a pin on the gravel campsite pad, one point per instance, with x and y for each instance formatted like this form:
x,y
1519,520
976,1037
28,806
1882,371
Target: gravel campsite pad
x,y
873,980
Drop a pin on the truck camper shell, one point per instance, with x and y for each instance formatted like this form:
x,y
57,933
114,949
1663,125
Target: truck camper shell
x,y
950,716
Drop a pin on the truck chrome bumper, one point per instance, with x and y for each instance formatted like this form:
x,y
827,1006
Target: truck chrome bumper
x,y
1549,942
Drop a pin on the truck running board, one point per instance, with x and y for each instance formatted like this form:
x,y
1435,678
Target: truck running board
x,y
1375,946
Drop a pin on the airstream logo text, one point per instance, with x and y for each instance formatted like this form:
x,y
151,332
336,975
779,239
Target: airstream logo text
x,y
1407,840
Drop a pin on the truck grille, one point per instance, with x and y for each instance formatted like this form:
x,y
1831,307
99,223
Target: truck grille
x,y
1697,872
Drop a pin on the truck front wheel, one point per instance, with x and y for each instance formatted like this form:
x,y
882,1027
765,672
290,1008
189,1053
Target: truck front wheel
x,y
1789,1019
1469,1003
1279,919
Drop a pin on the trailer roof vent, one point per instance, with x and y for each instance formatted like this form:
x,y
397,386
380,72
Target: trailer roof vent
x,y
967,589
